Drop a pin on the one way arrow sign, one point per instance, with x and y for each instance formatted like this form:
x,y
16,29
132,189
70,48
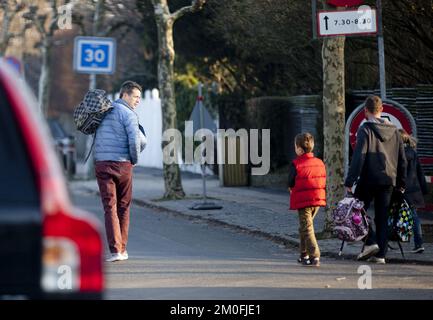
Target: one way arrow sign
x,y
326,18
348,22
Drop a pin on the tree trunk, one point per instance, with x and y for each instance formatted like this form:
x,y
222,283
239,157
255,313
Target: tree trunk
x,y
45,76
4,32
334,122
172,178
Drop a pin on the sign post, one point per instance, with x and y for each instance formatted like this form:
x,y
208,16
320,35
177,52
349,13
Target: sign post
x,y
381,49
362,21
203,116
93,55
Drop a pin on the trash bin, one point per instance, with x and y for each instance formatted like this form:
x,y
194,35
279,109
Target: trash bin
x,y
234,174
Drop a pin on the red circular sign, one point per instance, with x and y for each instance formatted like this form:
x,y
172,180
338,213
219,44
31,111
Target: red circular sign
x,y
390,112
345,3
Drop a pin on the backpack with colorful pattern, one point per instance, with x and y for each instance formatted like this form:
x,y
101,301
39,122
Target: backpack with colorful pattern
x,y
400,219
350,221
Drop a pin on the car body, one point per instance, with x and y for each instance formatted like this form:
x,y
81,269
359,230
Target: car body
x,y
65,147
48,248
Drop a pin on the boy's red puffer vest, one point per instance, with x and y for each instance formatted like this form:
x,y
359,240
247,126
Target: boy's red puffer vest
x,y
310,183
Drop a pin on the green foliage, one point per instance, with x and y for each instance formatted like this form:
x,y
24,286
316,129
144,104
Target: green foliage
x,y
255,47
263,48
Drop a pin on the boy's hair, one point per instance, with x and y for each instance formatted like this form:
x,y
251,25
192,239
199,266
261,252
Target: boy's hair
x,y
373,104
128,86
305,141
407,138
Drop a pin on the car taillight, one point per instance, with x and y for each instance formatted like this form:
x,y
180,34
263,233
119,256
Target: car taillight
x,y
72,246
60,265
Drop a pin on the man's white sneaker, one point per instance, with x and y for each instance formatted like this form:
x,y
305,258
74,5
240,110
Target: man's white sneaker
x,y
115,257
376,260
368,252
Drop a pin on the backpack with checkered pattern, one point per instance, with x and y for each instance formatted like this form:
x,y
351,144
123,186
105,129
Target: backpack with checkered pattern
x,y
90,112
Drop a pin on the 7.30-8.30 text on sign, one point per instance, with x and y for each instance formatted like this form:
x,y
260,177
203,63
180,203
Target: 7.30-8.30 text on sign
x,y
349,22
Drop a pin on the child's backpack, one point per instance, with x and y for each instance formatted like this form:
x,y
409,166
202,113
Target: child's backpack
x,y
350,221
90,112
400,219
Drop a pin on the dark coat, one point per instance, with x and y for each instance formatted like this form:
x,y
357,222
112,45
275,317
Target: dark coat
x,y
416,185
378,158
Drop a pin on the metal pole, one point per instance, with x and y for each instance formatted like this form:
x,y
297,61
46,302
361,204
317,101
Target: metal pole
x,y
92,81
203,166
381,48
89,165
314,17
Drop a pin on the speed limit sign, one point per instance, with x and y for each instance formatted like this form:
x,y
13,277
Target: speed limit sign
x,y
94,55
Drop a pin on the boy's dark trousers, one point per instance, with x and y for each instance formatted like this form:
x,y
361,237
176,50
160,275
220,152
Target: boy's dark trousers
x,y
382,199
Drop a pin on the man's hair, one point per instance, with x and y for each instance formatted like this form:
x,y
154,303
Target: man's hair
x,y
373,104
128,86
305,141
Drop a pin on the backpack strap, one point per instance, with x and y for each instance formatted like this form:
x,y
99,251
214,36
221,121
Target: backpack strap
x,y
401,249
91,148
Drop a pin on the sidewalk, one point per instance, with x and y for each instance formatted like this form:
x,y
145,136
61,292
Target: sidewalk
x,y
255,210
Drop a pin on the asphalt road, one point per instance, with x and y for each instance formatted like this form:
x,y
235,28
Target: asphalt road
x,y
171,257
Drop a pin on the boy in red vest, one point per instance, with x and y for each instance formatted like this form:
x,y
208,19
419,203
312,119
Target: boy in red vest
x,y
307,182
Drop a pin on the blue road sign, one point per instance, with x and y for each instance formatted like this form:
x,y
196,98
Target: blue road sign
x,y
15,63
94,55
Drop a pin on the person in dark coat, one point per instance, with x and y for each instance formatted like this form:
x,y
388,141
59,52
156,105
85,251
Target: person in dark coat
x,y
416,186
378,167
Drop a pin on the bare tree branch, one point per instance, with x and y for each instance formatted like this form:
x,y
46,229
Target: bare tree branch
x,y
196,5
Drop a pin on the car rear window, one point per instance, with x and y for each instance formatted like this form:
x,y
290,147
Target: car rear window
x,y
17,181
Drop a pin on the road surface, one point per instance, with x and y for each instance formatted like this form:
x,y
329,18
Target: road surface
x,y
171,257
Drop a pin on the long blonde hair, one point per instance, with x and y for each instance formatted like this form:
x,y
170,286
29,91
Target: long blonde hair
x,y
407,138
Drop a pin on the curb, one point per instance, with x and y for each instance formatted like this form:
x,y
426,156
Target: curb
x,y
288,242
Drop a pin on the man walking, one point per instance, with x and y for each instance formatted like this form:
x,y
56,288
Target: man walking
x,y
118,142
378,165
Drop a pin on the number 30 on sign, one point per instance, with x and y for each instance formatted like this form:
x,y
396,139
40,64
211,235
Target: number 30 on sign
x,y
94,55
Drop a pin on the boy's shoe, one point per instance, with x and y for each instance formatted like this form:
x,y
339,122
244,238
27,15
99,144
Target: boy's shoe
x,y
302,258
311,262
418,250
115,257
368,252
377,260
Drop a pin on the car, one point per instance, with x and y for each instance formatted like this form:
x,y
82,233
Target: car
x,y
49,249
64,146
